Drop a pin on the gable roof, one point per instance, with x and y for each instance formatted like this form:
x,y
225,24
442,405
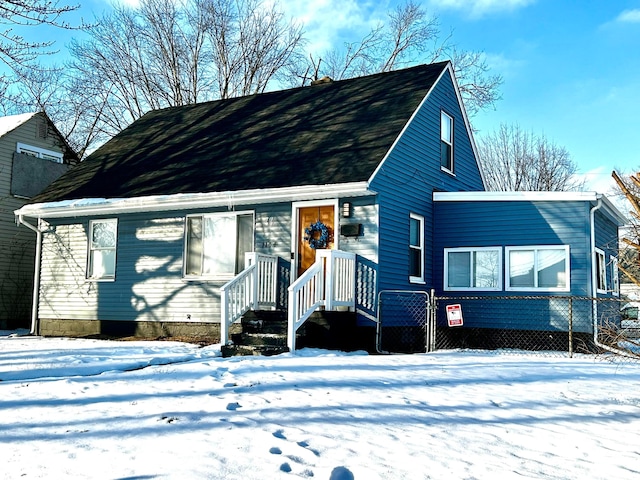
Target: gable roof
x,y
324,134
11,122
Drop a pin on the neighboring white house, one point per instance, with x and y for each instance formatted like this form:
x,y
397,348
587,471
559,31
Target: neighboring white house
x,y
631,291
33,154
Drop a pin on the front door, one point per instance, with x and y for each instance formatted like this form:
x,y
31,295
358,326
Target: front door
x,y
310,233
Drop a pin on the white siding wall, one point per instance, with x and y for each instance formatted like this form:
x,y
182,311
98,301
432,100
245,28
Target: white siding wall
x,y
17,244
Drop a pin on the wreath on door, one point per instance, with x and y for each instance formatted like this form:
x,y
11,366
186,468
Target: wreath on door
x,y
317,235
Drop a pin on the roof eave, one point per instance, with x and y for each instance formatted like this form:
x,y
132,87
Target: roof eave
x,y
115,206
531,196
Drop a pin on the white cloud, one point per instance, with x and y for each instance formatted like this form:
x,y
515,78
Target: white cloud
x,y
599,180
479,8
128,3
327,21
629,16
508,67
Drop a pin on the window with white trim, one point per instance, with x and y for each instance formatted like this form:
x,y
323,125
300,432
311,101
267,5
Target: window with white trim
x,y
446,141
103,239
615,276
601,272
471,268
39,152
539,268
215,244
416,248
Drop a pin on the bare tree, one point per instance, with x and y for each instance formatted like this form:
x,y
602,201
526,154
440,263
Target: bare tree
x,y
17,52
168,53
478,87
515,160
409,36
629,256
251,43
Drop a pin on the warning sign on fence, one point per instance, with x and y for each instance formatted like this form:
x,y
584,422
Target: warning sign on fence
x,y
454,315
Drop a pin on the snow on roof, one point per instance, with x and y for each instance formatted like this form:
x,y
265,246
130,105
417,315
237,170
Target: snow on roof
x,y
12,122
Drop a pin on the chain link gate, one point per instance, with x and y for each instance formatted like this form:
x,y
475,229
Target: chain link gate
x,y
405,323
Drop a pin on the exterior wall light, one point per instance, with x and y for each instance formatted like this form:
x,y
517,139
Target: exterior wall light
x,y
346,209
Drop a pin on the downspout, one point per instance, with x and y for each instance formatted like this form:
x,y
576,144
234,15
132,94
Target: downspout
x,y
594,277
36,277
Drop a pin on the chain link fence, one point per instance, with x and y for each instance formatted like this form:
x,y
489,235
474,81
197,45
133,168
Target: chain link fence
x,y
404,324
410,322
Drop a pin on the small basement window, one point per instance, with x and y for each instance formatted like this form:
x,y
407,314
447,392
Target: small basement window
x,y
39,152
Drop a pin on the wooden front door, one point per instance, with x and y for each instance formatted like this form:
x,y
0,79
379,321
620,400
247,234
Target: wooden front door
x,y
306,217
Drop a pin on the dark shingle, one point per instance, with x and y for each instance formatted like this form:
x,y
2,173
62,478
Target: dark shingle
x,y
323,134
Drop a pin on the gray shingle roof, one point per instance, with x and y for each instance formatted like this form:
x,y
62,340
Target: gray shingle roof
x,y
323,134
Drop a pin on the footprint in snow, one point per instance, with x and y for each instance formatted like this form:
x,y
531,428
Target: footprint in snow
x,y
233,406
285,467
275,451
279,434
304,444
341,473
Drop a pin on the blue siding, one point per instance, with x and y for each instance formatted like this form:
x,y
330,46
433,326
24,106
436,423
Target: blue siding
x,y
514,223
149,285
408,177
606,233
483,224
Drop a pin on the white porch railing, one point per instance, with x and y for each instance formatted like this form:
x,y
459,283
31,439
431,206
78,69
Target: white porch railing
x,y
329,282
252,289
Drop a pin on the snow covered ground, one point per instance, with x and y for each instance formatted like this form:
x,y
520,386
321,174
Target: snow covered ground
x,y
91,409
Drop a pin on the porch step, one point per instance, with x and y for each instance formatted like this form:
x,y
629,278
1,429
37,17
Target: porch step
x,y
249,350
259,339
265,322
265,333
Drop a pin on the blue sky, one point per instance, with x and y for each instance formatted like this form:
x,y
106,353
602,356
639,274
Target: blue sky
x,y
571,68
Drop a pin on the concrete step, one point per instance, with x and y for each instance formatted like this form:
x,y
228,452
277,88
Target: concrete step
x,y
249,350
266,339
265,333
265,322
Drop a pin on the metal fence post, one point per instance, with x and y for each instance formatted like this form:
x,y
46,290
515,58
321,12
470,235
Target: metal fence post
x,y
431,321
570,327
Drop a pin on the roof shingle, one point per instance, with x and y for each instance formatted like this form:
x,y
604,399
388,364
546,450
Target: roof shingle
x,y
323,134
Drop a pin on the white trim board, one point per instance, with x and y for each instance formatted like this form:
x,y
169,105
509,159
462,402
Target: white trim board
x,y
110,206
530,197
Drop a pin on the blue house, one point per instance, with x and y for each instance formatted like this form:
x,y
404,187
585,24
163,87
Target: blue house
x,y
551,245
297,201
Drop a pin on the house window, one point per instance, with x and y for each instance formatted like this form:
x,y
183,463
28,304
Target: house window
x,y
416,248
103,237
446,142
601,272
216,244
39,152
472,268
615,277
542,268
